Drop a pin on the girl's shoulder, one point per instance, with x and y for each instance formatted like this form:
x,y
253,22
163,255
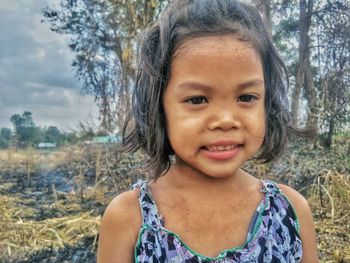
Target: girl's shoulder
x,y
124,205
119,228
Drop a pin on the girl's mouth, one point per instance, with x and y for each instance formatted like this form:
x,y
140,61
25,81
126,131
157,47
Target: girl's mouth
x,y
221,152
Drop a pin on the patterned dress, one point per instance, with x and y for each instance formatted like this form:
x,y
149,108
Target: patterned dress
x,y
273,235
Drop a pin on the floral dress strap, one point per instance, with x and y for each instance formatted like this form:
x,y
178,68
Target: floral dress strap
x,y
149,211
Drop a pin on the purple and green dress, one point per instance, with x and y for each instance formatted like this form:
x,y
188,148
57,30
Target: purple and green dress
x,y
273,234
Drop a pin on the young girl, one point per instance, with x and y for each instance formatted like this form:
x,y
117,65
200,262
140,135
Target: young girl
x,y
210,94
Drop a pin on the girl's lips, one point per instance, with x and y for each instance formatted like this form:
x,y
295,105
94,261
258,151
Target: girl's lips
x,y
221,152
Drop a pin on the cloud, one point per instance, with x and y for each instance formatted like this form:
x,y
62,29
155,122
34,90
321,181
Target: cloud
x,y
35,69
77,108
9,5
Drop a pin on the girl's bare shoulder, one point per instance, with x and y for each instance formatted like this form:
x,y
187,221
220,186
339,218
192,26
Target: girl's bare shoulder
x,y
124,206
119,228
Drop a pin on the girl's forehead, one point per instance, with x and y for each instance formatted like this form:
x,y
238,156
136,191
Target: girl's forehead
x,y
226,46
217,40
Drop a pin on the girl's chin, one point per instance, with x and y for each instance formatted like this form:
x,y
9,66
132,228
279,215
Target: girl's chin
x,y
207,172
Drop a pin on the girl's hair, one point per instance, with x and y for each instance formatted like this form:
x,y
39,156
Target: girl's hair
x,y
188,19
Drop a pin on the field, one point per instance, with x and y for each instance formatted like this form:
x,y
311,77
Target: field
x,y
51,202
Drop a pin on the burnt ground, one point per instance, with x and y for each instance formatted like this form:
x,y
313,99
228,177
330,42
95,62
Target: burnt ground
x,y
68,190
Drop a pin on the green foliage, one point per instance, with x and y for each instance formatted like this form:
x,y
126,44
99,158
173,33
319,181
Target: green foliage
x,y
51,134
5,138
24,120
6,133
27,134
70,138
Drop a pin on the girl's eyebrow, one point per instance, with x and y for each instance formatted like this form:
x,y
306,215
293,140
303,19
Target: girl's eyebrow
x,y
251,83
200,86
194,85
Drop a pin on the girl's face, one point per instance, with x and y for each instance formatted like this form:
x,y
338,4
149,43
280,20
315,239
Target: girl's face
x,y
214,105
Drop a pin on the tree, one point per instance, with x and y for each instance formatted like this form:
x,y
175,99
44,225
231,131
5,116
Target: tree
x,y
104,39
17,120
69,138
6,133
25,120
5,137
304,75
314,39
52,134
27,134
333,42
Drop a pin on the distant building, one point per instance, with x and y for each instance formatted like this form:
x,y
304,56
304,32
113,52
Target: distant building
x,y
106,139
47,145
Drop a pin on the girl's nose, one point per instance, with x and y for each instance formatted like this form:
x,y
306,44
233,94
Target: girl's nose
x,y
224,119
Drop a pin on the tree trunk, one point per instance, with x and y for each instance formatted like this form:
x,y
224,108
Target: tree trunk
x,y
312,118
311,96
304,75
296,92
330,133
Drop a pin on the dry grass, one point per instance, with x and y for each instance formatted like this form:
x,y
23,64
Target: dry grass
x,y
17,159
21,236
329,198
36,216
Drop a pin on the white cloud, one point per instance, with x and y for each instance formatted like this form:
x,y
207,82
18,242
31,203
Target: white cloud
x,y
9,5
53,107
35,70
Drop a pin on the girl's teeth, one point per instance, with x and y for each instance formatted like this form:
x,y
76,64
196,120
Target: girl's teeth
x,y
220,148
213,149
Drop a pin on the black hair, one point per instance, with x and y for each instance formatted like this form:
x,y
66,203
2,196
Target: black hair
x,y
188,19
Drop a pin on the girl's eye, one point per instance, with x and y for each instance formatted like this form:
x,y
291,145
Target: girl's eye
x,y
247,98
196,100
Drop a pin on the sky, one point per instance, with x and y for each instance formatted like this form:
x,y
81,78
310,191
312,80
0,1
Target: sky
x,y
35,70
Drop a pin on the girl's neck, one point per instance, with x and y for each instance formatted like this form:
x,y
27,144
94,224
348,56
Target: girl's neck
x,y
183,188
191,179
